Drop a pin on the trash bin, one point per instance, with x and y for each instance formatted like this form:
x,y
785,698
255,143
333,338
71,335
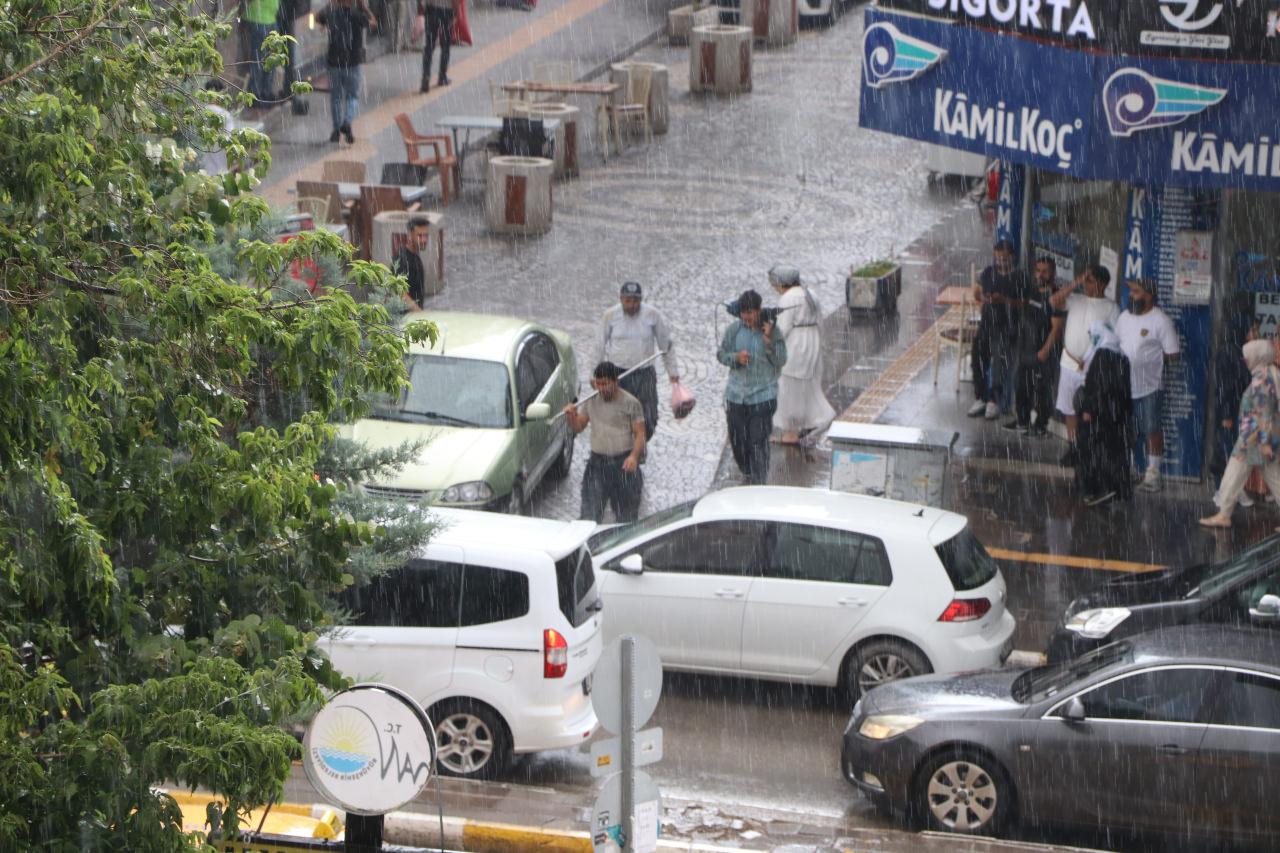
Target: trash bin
x,y
903,463
518,196
720,59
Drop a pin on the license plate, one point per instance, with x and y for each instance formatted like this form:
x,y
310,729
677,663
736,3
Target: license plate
x,y
586,685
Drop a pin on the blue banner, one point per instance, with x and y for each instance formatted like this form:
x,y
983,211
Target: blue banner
x,y
1142,120
1009,202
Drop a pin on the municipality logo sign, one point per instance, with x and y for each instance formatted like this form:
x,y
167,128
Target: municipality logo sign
x,y
888,56
1136,101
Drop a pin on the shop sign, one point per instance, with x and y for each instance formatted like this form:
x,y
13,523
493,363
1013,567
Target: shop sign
x,y
1193,271
1009,204
1140,121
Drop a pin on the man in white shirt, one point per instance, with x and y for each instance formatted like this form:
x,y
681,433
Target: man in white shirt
x,y
1149,340
1083,310
631,332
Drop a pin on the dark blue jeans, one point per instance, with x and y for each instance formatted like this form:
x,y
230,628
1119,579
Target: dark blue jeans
x,y
259,77
604,483
749,430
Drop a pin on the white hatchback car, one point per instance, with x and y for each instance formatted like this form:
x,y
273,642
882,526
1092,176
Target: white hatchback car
x,y
806,585
494,628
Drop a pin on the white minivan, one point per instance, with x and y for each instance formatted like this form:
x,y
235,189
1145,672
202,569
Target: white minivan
x,y
806,585
494,628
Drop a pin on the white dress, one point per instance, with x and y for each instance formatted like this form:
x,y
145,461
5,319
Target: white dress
x,y
801,403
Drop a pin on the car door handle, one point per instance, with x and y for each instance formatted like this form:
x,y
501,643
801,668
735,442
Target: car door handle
x,y
1172,749
849,601
729,593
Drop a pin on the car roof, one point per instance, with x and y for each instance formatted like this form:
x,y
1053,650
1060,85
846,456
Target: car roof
x,y
467,528
465,334
858,512
1257,648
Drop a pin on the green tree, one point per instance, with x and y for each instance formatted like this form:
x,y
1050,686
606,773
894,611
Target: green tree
x,y
166,454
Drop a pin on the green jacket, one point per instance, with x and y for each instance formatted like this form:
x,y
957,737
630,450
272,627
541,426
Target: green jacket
x,y
261,11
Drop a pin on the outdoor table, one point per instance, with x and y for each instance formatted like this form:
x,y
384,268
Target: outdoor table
x,y
410,194
525,89
488,124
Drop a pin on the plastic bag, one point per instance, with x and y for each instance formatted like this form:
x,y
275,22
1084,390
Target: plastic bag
x,y
461,29
682,401
419,29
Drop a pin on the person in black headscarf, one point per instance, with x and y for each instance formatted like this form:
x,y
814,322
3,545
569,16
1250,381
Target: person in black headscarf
x,y
1105,408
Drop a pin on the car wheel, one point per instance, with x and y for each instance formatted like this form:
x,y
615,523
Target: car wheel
x,y
965,792
560,468
879,662
471,741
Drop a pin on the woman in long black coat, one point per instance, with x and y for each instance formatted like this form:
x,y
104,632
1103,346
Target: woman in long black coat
x,y
1105,409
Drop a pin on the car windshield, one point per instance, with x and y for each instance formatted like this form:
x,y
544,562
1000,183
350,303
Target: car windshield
x,y
1046,681
1210,580
461,392
968,564
612,537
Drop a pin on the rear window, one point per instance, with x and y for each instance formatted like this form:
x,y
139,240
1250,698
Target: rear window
x,y
492,595
421,594
967,563
576,586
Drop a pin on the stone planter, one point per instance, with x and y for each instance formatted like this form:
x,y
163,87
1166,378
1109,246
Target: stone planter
x,y
566,145
659,88
720,59
391,230
517,199
774,22
682,20
874,295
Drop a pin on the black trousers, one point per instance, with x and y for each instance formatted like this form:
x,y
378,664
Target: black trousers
x,y
749,429
604,483
990,364
439,28
643,385
1035,388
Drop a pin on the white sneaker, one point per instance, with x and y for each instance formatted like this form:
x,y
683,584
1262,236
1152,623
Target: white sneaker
x,y
993,411
1150,481
977,409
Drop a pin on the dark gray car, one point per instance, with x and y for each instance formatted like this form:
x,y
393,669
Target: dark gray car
x,y
1176,732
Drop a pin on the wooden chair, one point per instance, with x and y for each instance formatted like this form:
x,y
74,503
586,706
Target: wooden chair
x,y
336,210
374,200
502,103
554,72
316,206
634,107
441,155
343,171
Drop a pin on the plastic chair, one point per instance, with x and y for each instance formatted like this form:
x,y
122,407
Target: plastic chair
x,y
316,206
343,171
441,154
405,174
336,210
554,72
635,107
502,102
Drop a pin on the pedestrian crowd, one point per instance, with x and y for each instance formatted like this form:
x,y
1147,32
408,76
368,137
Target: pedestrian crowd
x,y
1071,348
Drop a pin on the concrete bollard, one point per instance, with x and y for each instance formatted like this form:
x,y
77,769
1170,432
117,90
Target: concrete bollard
x,y
391,230
659,89
774,22
517,199
720,59
566,145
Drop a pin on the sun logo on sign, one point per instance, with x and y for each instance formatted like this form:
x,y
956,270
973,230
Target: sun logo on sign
x,y
344,748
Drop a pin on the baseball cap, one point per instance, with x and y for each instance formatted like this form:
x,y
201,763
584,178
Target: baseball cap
x,y
631,288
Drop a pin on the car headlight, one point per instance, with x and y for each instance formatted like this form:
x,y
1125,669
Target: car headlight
x,y
1097,623
883,726
467,493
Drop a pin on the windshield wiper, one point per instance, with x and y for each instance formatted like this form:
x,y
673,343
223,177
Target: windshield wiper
x,y
441,416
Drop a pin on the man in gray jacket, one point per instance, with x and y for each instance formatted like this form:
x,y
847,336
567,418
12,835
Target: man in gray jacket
x,y
631,332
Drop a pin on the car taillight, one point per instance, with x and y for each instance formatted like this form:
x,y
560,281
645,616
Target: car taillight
x,y
555,654
965,610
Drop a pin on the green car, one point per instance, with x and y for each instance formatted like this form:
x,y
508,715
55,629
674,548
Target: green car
x,y
483,400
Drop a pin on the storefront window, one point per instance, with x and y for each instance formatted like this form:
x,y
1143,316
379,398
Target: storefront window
x,y
1073,221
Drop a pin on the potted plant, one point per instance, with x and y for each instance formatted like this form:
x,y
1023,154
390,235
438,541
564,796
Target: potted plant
x,y
873,288
682,20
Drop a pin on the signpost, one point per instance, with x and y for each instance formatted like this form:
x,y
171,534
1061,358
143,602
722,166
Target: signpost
x,y
625,691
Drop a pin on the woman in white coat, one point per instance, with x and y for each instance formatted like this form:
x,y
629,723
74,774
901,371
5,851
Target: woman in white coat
x,y
802,407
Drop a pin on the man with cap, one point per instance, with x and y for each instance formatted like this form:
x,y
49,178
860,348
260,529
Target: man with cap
x,y
617,442
631,332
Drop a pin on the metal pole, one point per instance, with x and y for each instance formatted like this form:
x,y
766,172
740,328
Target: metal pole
x,y
630,370
363,833
628,738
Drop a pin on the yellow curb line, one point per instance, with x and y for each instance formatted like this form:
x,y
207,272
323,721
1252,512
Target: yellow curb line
x,y
505,838
1075,562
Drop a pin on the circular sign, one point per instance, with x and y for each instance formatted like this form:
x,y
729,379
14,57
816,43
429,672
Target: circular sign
x,y
646,682
370,750
607,820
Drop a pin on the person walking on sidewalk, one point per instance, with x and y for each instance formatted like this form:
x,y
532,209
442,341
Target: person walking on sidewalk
x,y
613,473
1039,334
1150,341
1230,377
1256,442
1083,310
1106,412
346,21
440,15
260,16
1000,290
802,407
755,352
631,332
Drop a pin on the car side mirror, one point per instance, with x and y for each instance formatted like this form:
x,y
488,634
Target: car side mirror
x,y
537,412
1268,609
631,565
1073,711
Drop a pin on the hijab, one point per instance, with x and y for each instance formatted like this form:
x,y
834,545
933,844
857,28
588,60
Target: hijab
x,y
1258,355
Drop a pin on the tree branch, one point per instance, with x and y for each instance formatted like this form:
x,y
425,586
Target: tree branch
x,y
76,39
